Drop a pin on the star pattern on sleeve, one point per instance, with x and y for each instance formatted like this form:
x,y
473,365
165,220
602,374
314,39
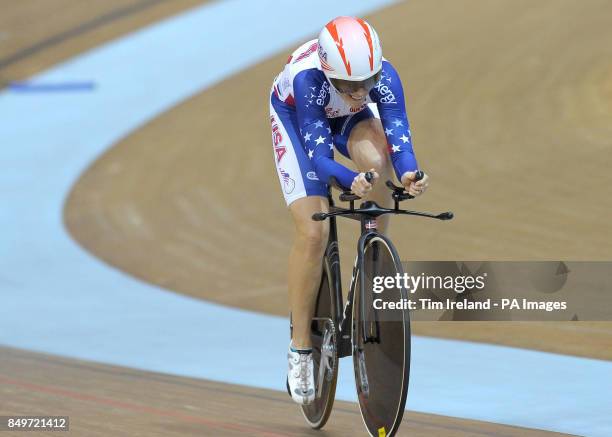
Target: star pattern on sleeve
x,y
398,136
314,131
316,134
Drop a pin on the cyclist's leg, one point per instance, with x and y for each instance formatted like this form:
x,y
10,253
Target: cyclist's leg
x,y
305,195
363,140
305,264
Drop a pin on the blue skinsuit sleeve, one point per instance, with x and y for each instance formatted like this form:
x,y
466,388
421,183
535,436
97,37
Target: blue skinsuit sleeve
x,y
311,93
389,96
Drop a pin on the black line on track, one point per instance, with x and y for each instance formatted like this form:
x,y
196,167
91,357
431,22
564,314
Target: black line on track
x,y
78,30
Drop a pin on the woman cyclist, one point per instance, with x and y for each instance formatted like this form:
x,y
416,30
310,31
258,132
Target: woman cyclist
x,y
335,92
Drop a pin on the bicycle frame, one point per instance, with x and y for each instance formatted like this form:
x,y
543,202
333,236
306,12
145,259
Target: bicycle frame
x,y
367,215
343,337
369,229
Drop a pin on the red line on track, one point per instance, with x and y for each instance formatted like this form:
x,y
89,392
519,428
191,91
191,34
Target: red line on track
x,y
136,407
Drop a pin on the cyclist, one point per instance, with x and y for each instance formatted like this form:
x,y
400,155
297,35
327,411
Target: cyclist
x,y
336,91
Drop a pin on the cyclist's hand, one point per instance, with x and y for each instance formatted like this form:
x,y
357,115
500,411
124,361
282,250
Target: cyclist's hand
x,y
361,186
414,188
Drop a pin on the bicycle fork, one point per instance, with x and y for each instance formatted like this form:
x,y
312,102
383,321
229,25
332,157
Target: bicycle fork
x,y
370,329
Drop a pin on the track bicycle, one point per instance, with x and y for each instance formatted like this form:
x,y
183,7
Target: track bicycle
x,y
378,340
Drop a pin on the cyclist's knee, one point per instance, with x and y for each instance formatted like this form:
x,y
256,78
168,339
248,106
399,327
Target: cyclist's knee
x,y
368,146
380,159
313,237
378,162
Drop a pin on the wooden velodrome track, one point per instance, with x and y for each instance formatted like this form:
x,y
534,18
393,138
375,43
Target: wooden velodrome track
x,y
512,120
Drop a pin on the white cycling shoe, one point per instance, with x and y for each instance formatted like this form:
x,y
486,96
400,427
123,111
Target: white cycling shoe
x,y
300,376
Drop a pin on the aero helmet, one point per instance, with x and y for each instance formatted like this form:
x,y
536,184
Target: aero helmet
x,y
350,53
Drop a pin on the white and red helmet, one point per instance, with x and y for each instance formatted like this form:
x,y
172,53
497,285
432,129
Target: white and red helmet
x,y
349,49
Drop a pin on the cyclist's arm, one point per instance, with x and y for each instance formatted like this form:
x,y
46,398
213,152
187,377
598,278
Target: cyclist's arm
x,y
389,96
311,93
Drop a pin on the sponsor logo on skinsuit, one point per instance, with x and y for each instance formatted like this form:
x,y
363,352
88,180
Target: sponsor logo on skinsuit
x,y
312,176
288,182
387,95
331,112
323,94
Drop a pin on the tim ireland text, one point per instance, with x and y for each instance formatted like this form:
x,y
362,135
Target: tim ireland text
x,y
452,304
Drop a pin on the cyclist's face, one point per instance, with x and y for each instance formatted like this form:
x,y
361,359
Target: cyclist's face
x,y
356,89
358,95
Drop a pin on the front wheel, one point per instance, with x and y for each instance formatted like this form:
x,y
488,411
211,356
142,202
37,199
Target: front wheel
x,y
381,341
